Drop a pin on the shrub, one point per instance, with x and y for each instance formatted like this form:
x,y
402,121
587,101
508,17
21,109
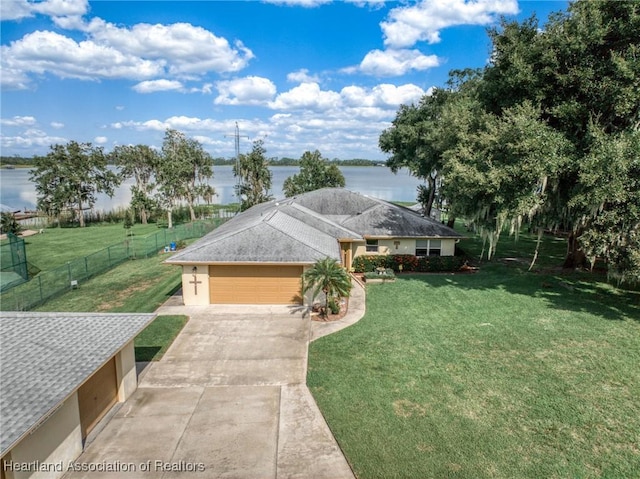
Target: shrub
x,y
334,307
409,263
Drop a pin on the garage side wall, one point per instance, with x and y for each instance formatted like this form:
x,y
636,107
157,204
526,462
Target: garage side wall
x,y
127,376
57,440
195,294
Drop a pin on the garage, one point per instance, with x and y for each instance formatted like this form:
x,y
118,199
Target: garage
x,y
259,284
96,396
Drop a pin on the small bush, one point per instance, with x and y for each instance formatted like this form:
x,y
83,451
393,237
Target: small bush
x,y
334,307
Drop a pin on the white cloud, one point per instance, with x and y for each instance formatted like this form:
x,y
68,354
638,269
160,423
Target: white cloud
x,y
251,90
100,140
299,3
205,89
184,48
396,62
374,4
302,76
18,121
407,25
48,52
61,8
152,86
18,9
15,10
57,125
29,141
306,96
385,96
141,52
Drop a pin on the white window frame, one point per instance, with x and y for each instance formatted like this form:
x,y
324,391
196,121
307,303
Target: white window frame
x,y
428,247
422,247
372,245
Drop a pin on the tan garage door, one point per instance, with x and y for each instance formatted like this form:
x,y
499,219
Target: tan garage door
x,y
97,396
255,284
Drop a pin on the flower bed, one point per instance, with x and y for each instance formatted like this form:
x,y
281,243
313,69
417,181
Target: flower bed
x,y
381,275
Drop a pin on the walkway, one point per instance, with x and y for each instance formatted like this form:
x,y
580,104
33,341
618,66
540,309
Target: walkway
x,y
227,400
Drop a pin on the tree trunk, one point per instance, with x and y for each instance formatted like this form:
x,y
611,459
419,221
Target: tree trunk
x,y
192,213
432,196
451,222
80,214
575,256
169,219
143,216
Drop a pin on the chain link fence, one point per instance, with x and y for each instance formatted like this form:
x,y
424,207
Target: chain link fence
x,y
13,263
49,284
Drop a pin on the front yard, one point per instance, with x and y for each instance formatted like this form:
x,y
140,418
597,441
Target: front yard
x,y
498,374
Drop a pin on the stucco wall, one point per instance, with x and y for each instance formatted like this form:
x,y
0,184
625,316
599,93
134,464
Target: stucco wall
x,y
405,246
448,247
188,291
127,376
56,442
307,299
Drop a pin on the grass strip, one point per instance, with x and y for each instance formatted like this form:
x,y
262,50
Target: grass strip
x,y
155,339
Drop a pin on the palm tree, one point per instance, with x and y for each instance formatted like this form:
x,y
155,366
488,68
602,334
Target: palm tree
x,y
327,276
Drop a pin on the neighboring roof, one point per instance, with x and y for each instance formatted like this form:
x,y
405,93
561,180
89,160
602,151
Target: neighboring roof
x,y
45,357
306,227
7,209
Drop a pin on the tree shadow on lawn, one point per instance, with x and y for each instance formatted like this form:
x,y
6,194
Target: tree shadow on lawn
x,y
578,292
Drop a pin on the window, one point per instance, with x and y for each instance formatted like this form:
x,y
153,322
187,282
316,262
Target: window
x,y
428,247
435,247
422,246
372,246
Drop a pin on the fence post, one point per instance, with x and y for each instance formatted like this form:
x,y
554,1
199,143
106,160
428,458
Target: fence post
x,y
109,255
86,267
69,271
40,287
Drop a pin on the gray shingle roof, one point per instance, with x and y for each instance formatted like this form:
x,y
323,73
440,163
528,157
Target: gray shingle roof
x,y
305,228
46,356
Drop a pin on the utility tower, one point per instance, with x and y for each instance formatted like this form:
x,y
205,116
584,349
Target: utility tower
x,y
236,136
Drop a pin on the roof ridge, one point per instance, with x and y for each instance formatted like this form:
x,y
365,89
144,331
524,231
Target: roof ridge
x,y
323,218
297,239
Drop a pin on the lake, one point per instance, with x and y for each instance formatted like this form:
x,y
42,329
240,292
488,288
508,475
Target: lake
x,y
18,192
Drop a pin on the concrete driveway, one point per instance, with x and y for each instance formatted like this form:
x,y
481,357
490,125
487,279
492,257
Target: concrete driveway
x,y
228,400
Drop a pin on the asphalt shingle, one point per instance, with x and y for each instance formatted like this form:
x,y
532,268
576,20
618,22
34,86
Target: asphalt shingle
x,y
44,357
306,227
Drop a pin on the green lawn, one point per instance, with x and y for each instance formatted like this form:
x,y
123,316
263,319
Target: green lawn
x,y
56,246
134,286
153,342
498,374
137,286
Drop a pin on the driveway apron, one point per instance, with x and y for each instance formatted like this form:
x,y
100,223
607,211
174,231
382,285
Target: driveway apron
x,y
227,400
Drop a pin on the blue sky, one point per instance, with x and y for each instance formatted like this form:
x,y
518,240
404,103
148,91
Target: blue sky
x,y
299,74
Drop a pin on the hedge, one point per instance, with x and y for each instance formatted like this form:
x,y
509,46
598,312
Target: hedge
x,y
409,262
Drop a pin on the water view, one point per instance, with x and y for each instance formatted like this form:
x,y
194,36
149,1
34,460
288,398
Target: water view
x,y
18,192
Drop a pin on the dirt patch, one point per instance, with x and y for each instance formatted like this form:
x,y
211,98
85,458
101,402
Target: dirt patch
x,y
406,408
24,234
119,298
